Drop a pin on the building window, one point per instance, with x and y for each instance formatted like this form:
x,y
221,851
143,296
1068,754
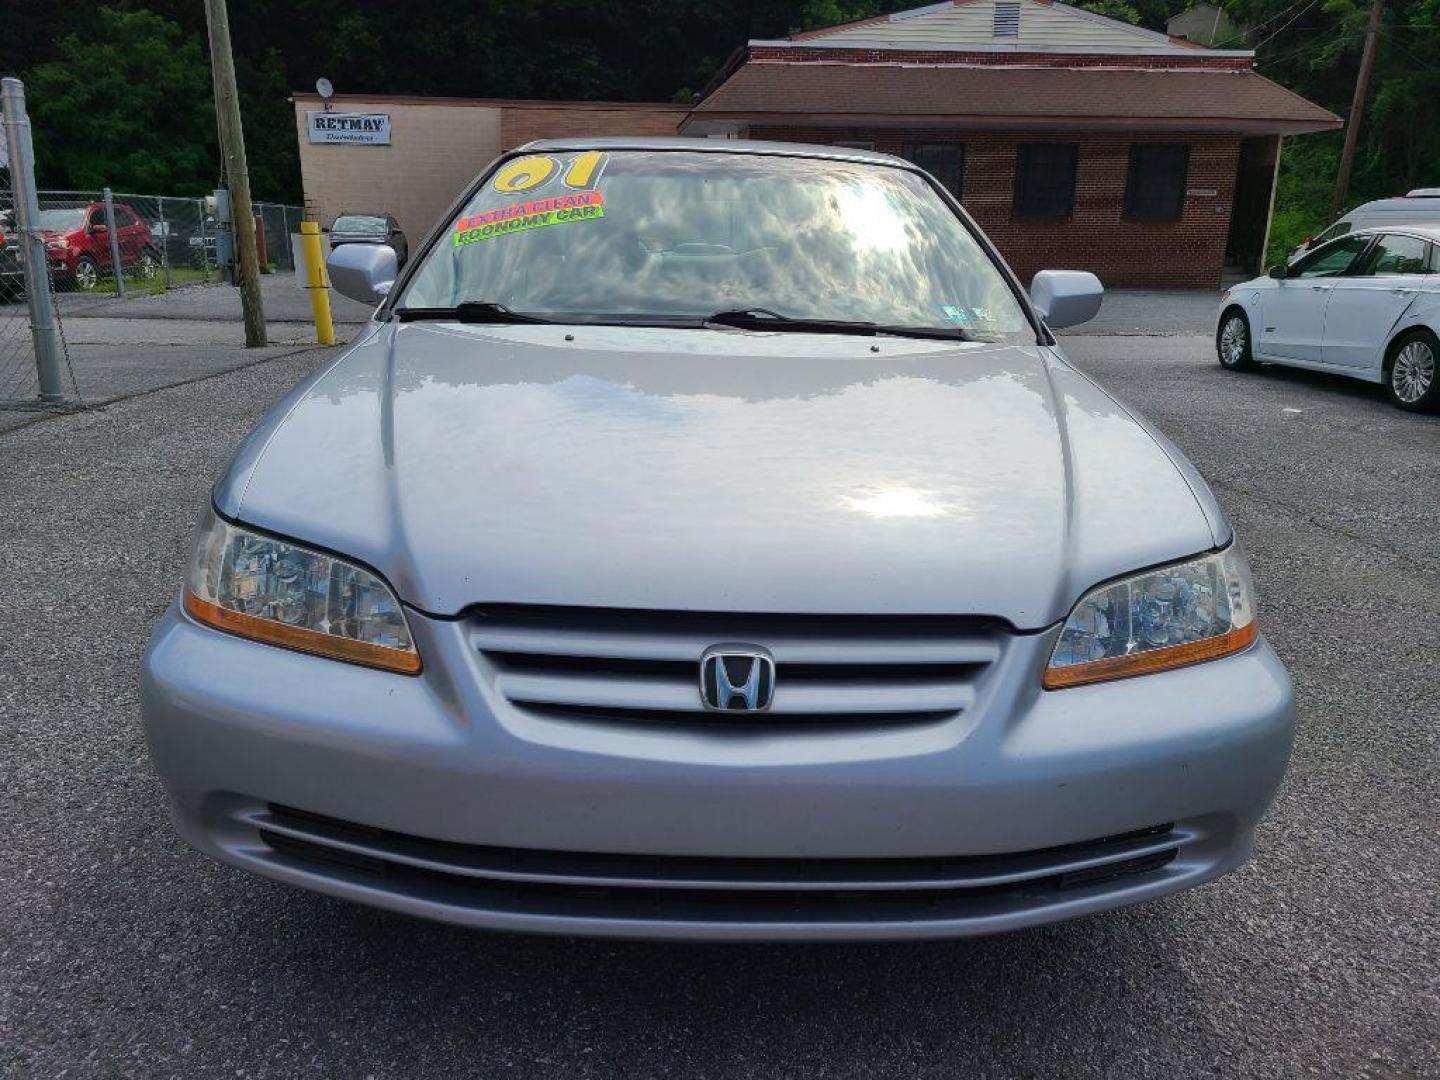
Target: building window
x,y
945,161
1045,181
1155,184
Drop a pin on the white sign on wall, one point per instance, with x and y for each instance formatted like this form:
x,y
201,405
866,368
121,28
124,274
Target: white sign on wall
x,y
369,129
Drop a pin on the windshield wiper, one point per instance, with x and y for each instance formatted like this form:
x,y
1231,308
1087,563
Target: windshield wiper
x,y
765,319
471,311
943,333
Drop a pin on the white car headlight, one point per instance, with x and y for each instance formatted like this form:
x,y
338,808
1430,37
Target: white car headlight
x,y
277,592
1166,618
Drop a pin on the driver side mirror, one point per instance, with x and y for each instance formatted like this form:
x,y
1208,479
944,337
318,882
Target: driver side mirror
x,y
96,229
363,272
1279,273
1066,297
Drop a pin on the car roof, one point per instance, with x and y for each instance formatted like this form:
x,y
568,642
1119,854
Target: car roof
x,y
1424,232
1424,205
717,146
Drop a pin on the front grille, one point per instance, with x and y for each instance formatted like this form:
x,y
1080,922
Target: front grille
x,y
701,889
644,666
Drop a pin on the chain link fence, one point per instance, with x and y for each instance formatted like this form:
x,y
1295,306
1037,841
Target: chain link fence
x,y
19,381
99,249
94,245
158,242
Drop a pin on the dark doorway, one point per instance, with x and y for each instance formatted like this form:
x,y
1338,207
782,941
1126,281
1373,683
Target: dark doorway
x,y
1250,215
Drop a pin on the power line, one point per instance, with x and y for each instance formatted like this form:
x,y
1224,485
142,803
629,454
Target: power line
x,y
1308,46
1297,15
1424,64
1256,28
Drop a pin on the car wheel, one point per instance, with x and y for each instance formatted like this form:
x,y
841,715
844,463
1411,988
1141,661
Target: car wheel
x,y
1413,374
149,265
87,273
1232,341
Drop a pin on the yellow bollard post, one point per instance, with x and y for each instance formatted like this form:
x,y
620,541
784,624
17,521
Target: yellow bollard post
x,y
316,284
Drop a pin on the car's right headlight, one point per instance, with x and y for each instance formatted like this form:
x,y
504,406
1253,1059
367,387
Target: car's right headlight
x,y
278,592
1166,618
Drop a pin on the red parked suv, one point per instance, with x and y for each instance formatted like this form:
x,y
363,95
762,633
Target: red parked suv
x,y
77,243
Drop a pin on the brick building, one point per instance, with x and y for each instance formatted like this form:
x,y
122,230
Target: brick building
x,y
1075,140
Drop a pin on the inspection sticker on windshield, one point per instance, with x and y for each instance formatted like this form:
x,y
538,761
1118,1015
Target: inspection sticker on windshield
x,y
535,214
959,313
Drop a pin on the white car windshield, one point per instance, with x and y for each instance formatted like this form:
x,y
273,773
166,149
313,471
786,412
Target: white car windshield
x,y
678,235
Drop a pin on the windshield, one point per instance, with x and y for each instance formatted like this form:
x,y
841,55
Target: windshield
x,y
61,220
359,223
677,235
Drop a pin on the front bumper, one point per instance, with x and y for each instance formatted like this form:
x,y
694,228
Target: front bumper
x,y
437,797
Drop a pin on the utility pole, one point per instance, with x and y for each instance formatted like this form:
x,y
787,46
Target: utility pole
x,y
237,175
1357,108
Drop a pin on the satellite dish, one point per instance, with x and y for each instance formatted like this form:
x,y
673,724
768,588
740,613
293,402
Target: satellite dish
x,y
323,88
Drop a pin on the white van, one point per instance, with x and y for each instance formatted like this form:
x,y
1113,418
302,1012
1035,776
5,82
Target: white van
x,y
1418,207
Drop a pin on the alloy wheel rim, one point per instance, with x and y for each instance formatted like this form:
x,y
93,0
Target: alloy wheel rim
x,y
1413,373
86,275
1232,340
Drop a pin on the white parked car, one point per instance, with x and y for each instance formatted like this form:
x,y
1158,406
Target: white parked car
x,y
1365,305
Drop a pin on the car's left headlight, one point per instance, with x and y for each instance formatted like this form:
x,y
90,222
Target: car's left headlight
x,y
1161,619
274,591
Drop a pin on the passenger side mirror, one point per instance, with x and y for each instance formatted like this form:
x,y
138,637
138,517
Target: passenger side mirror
x,y
1279,273
1066,297
363,272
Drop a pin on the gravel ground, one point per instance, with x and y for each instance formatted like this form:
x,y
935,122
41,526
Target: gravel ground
x,y
124,954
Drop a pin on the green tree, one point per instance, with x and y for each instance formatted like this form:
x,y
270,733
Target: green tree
x,y
127,103
1315,51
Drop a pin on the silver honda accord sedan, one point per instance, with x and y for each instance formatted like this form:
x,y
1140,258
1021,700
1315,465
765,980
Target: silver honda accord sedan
x,y
708,540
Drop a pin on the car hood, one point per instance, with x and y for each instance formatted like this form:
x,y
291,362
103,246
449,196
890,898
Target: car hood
x,y
716,470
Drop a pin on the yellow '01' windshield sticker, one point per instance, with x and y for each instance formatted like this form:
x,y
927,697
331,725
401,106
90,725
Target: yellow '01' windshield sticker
x,y
527,174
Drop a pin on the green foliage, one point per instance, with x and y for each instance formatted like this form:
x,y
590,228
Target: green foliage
x,y
1318,56
820,13
1303,192
128,104
1114,9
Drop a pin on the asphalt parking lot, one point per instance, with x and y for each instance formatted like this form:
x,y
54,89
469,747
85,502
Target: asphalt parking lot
x,y
125,954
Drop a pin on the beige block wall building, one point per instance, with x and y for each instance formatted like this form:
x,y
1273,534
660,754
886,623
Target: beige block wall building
x,y
438,145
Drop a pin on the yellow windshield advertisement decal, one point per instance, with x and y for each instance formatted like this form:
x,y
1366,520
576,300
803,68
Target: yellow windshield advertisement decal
x,y
525,174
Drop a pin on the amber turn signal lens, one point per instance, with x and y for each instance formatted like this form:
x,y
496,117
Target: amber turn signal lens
x,y
402,661
1145,663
